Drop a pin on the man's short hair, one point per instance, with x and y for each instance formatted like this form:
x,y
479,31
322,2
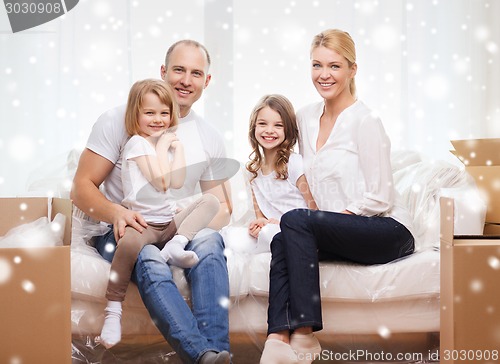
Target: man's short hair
x,y
187,42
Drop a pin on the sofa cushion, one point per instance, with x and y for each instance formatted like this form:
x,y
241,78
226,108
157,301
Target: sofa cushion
x,y
414,276
90,272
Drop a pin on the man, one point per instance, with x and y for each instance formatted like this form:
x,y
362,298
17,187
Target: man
x,y
200,335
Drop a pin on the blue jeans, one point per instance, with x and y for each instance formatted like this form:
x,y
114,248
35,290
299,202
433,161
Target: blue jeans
x,y
309,236
190,332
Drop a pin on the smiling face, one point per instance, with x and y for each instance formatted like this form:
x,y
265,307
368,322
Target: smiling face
x,y
187,73
154,116
269,129
331,73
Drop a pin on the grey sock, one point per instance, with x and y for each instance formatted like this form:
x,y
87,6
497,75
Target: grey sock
x,y
211,357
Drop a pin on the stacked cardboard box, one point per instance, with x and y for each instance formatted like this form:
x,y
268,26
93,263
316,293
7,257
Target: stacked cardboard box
x,y
35,288
470,266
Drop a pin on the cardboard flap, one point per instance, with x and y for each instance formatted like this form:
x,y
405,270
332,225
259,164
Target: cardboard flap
x,y
447,219
477,152
18,211
65,207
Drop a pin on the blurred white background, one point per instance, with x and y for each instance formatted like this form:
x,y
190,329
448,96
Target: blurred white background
x,y
431,68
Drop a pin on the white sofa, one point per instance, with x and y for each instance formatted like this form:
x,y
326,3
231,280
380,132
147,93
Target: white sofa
x,y
391,307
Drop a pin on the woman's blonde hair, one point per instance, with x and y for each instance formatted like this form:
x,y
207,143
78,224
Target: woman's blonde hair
x,y
285,109
340,42
135,99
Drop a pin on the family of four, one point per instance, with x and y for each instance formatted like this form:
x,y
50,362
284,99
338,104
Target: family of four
x,y
334,200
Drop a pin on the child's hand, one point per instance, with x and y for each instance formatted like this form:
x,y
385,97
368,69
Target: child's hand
x,y
256,225
176,144
273,221
166,139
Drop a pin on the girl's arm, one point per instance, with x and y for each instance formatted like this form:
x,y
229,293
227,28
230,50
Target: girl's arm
x,y
151,169
156,169
256,225
258,213
178,166
304,189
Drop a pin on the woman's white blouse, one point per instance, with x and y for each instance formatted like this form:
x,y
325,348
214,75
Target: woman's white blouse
x,y
352,170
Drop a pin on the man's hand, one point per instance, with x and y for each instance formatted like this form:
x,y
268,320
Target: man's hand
x,y
125,217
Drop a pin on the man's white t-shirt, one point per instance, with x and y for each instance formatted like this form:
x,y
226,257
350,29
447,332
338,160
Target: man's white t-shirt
x,y
203,146
139,194
277,196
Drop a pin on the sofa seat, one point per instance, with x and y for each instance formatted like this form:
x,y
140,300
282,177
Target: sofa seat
x,y
409,285
350,282
382,294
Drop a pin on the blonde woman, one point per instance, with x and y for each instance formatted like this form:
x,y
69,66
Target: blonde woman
x,y
346,155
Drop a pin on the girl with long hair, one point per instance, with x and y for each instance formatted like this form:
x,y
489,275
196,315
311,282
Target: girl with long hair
x,y
276,172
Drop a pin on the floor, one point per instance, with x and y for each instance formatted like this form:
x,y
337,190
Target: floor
x,y
346,349
246,349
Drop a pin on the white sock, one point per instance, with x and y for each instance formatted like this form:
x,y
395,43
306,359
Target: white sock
x,y
174,253
111,333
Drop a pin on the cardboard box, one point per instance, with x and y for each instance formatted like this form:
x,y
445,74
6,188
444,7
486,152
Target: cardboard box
x,y
481,158
470,299
35,288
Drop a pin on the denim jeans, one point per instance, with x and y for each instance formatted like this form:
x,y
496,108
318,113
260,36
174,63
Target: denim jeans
x,y
307,237
190,332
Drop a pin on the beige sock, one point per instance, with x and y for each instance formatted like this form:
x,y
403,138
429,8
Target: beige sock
x,y
306,346
277,352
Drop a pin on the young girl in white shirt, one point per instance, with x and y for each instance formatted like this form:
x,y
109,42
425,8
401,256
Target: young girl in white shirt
x,y
153,162
276,173
360,218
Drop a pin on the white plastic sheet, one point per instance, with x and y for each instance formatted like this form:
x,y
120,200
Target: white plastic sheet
x,y
39,233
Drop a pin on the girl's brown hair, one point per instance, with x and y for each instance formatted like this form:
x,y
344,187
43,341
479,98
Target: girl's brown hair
x,y
340,42
285,109
134,103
